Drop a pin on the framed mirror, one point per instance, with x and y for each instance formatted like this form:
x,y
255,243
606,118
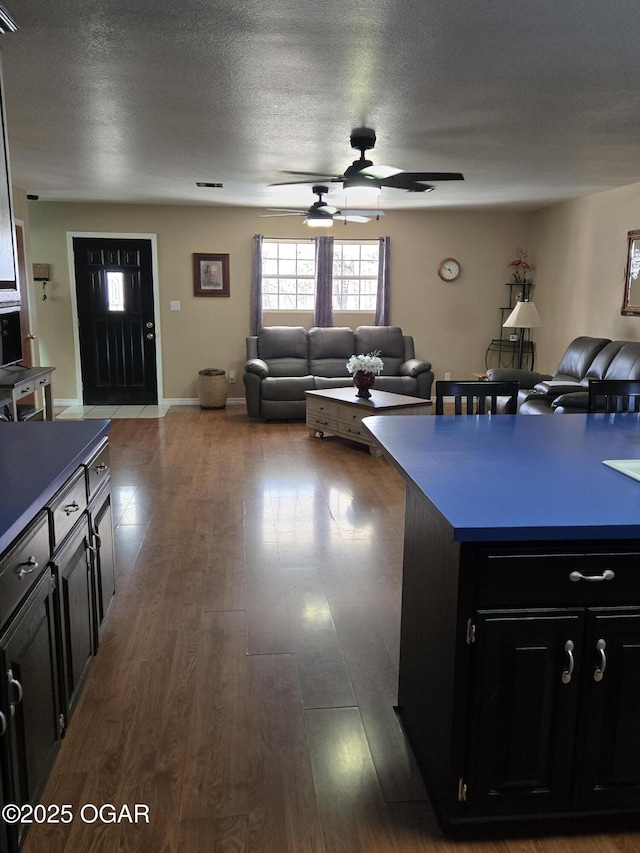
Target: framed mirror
x,y
631,298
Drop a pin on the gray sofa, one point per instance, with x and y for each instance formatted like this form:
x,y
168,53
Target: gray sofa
x,y
285,361
566,390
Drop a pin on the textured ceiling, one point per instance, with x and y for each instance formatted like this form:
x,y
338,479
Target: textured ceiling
x,y
136,100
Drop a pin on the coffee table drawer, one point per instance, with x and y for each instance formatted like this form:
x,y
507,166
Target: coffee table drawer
x,y
354,429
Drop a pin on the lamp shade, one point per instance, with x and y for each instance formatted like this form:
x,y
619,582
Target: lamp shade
x,y
524,316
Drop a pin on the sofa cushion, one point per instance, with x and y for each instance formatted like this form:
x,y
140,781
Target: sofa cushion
x,y
578,357
285,349
388,339
626,364
329,350
286,387
600,364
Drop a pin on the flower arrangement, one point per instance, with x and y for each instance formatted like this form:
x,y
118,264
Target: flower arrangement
x,y
369,363
521,269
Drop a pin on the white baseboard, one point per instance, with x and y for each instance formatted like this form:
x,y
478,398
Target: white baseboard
x,y
168,401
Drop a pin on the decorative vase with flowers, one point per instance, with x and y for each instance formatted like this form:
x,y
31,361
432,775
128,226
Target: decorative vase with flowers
x,y
364,369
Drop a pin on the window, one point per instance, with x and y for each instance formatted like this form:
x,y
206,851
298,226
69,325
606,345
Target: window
x,y
288,275
289,268
355,276
115,291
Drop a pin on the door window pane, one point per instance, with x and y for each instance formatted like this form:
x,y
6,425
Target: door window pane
x,y
115,291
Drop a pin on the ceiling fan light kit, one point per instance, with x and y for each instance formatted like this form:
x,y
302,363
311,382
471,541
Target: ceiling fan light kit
x,y
322,215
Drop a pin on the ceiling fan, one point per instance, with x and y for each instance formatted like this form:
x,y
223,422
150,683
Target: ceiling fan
x,y
362,173
322,214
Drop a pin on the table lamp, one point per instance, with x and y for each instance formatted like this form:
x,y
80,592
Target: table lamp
x,y
524,316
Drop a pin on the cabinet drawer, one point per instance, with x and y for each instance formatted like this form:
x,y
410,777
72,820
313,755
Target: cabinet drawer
x,y
68,505
24,389
354,429
322,422
564,578
321,409
23,564
98,469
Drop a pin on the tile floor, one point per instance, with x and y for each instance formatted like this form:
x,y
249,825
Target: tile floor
x,y
80,413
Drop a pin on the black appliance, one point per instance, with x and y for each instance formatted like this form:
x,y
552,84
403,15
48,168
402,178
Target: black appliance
x,y
10,335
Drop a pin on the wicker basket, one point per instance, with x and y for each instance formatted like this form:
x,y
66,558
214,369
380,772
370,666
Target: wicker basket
x,y
212,388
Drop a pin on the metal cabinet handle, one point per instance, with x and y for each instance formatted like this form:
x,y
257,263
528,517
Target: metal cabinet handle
x,y
598,675
101,468
566,675
32,563
3,724
69,508
324,423
607,575
13,682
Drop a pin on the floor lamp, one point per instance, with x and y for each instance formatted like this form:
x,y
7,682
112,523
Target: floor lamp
x,y
524,316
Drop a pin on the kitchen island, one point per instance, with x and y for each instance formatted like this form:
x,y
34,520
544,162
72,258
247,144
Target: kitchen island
x,y
519,682
57,584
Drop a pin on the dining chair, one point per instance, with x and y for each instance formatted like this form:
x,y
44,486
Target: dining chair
x,y
614,395
481,397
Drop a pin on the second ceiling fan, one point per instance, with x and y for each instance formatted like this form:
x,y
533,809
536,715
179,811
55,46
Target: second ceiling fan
x,y
322,214
363,174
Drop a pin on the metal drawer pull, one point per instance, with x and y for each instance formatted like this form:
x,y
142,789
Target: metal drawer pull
x,y
69,508
3,724
566,675
598,675
324,423
32,563
101,468
13,682
26,390
607,575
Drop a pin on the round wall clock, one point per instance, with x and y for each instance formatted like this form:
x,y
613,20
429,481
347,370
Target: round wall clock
x,y
449,269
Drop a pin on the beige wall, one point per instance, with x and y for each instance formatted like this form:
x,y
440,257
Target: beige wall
x,y
580,248
452,323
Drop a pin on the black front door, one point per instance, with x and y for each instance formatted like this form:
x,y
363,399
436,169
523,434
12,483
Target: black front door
x,y
114,286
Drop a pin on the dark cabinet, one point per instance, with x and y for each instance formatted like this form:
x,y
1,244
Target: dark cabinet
x,y
73,567
520,674
104,566
29,660
553,720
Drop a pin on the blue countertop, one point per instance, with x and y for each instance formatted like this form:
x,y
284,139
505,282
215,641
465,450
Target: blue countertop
x,y
36,458
520,477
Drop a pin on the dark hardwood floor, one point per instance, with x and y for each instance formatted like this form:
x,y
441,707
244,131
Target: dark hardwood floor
x,y
244,688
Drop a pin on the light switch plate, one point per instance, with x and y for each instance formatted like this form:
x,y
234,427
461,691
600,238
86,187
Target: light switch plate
x,y
174,306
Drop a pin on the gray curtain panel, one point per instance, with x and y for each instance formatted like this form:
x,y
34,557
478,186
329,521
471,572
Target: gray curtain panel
x,y
382,302
256,285
323,315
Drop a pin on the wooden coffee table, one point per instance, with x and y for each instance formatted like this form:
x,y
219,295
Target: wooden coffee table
x,y
338,411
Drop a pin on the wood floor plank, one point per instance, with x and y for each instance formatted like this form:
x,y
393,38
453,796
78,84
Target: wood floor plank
x,y
352,809
375,680
216,778
214,835
284,814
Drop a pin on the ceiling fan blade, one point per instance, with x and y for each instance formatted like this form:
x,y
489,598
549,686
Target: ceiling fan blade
x,y
286,210
408,180
380,171
310,181
273,215
315,174
342,217
375,213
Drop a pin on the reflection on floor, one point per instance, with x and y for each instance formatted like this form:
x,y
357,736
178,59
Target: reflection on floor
x,y
81,413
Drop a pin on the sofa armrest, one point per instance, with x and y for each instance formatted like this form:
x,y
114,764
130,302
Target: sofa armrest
x,y
557,387
257,366
526,378
414,367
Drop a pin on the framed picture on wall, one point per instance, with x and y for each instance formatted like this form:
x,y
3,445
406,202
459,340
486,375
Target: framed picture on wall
x,y
210,275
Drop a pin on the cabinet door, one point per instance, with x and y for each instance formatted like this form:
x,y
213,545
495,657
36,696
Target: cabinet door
x,y
29,663
73,567
104,561
608,760
523,709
